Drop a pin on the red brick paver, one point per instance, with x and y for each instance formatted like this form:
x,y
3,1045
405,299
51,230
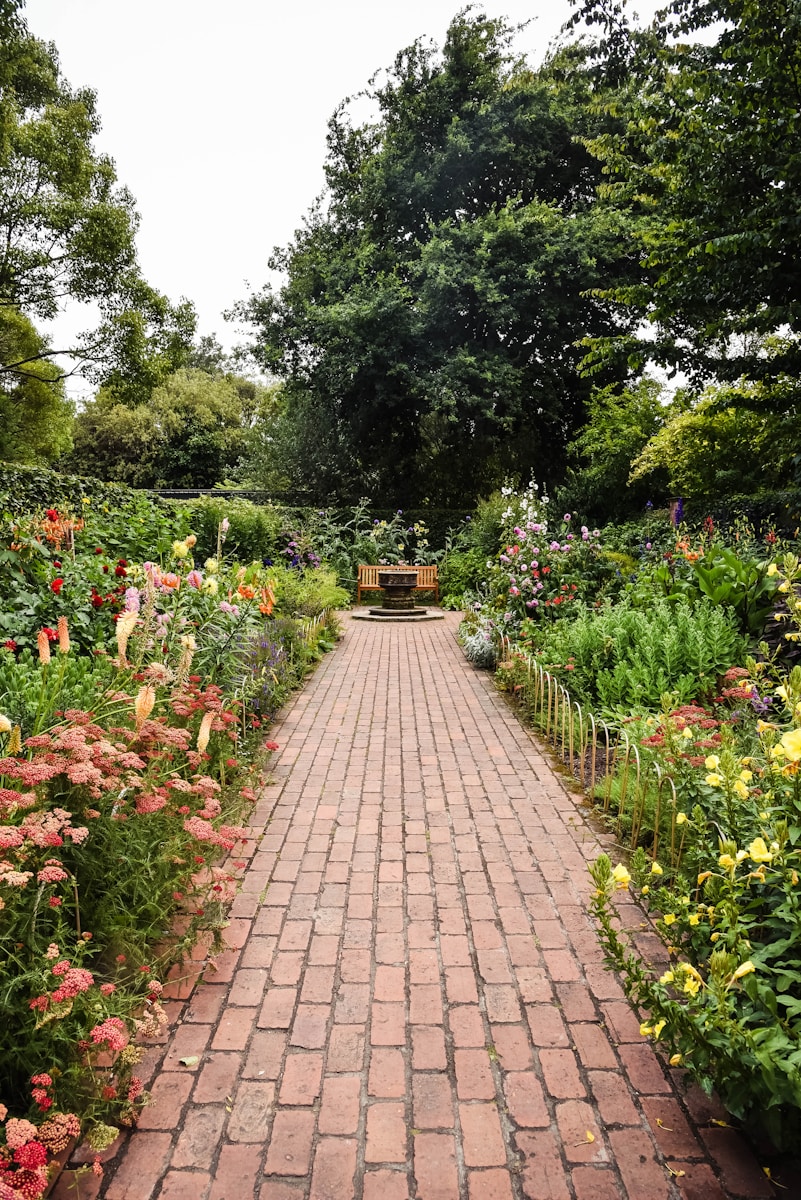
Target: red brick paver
x,y
414,1006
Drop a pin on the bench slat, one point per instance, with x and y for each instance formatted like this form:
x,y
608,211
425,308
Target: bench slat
x,y
368,578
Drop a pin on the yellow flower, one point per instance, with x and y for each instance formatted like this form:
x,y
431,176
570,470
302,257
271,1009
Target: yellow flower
x,y
5,724
711,762
211,565
681,818
773,569
694,919
210,586
714,780
758,851
764,726
668,977
645,890
645,1030
180,549
660,1025
669,918
687,732
691,986
656,869
791,744
746,776
702,878
714,937
740,788
621,876
746,968
675,1060
727,862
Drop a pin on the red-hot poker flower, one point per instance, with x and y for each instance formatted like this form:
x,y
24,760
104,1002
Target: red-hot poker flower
x,y
144,702
63,636
43,646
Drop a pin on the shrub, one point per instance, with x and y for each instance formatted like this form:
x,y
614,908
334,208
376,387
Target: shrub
x,y
621,657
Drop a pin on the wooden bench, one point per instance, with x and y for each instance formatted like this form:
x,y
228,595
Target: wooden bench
x,y
368,579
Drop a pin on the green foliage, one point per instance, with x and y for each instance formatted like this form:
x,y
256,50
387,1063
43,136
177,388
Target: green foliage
x,y
307,593
35,415
67,228
192,431
254,530
461,574
727,1009
706,161
729,578
728,441
619,656
427,327
620,424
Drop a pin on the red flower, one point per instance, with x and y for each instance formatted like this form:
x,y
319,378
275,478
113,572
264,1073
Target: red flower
x,y
57,564
52,514
120,571
98,549
122,562
57,585
54,902
11,645
105,568
271,745
52,636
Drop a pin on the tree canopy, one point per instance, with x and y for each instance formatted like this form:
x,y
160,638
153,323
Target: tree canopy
x,y
35,415
706,159
433,303
67,227
193,431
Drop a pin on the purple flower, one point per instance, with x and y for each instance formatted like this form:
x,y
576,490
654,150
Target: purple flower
x,y
566,517
132,599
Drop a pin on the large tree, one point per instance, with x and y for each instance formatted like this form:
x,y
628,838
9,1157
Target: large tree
x,y
193,431
67,227
433,302
707,160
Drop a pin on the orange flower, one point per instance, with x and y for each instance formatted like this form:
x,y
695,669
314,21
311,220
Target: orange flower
x,y
246,591
63,636
267,601
143,704
43,646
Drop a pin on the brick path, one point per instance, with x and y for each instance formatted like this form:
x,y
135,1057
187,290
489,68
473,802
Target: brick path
x,y
415,1006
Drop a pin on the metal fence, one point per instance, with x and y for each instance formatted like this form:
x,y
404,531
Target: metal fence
x,y
597,756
